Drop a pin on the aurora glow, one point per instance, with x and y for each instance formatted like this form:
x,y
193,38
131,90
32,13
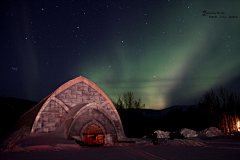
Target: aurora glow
x,y
165,52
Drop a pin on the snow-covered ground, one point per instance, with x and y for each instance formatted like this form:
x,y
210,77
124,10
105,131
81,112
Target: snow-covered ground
x,y
226,147
57,147
55,141
214,147
182,142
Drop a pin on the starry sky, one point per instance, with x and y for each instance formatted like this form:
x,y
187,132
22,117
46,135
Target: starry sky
x,y
167,52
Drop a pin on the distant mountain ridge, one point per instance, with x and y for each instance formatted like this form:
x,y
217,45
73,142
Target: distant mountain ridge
x,y
162,113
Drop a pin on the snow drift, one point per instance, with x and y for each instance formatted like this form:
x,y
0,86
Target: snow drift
x,y
188,133
211,132
162,134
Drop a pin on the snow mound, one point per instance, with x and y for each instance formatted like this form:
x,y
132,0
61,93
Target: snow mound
x,y
188,133
162,134
211,132
182,142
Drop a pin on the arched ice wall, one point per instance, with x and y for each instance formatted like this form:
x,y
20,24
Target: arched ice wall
x,y
66,97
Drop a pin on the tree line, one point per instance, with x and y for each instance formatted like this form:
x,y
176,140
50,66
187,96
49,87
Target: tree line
x,y
219,109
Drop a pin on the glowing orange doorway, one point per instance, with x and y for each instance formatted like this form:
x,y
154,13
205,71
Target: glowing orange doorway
x,y
93,135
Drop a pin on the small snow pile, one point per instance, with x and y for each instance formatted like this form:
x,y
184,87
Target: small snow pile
x,y
188,133
182,142
211,132
162,134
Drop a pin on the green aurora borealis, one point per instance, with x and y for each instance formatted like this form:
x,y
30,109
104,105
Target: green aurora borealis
x,y
165,52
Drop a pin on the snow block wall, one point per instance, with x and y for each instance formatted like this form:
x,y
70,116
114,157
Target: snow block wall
x,y
80,93
51,117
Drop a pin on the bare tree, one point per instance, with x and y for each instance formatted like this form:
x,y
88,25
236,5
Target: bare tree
x,y
209,107
139,105
128,102
120,104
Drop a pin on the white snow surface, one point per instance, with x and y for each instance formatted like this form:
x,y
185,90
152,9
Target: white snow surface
x,y
162,134
211,132
188,133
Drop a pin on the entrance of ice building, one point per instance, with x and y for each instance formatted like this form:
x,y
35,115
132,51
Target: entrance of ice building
x,y
93,136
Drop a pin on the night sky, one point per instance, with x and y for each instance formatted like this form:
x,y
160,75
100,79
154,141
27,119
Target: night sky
x,y
165,52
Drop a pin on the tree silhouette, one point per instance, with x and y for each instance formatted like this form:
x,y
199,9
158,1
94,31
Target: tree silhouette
x,y
127,102
220,110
